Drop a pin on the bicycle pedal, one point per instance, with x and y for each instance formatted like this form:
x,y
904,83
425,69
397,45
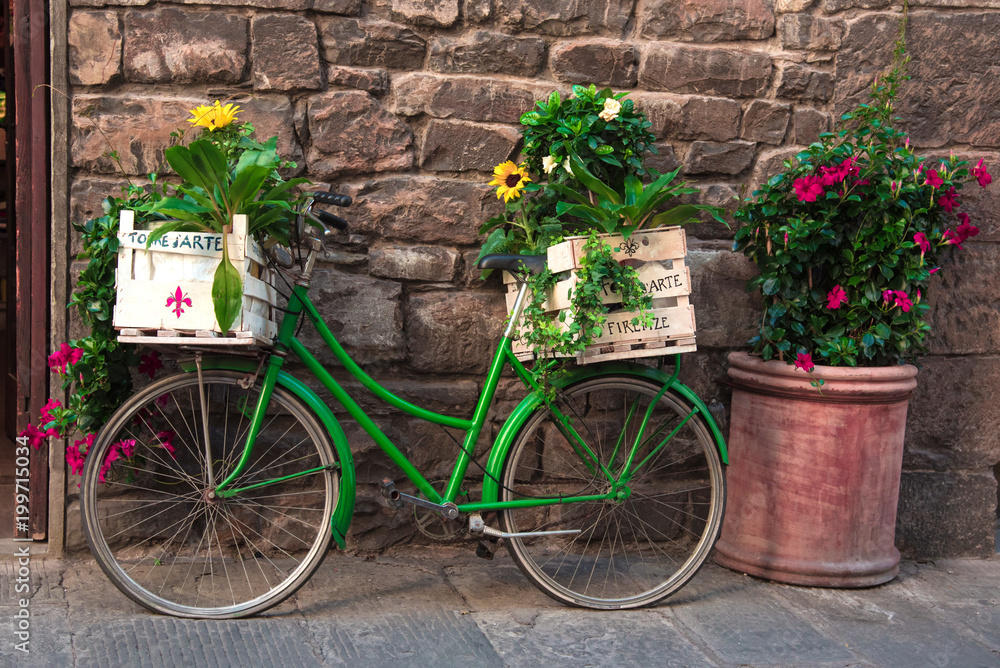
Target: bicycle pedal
x,y
390,492
487,548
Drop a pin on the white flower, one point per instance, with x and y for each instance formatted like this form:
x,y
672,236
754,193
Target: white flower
x,y
611,109
549,163
567,167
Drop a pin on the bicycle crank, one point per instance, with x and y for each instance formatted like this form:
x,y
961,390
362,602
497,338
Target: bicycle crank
x,y
397,498
478,526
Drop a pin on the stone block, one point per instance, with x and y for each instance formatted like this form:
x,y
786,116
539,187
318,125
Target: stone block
x,y
86,195
373,80
371,44
950,514
343,7
174,45
810,124
285,53
804,83
572,17
488,52
294,5
437,13
769,163
726,314
665,160
765,122
695,117
467,98
137,127
724,72
952,96
453,332
108,3
95,48
963,295
790,6
834,6
423,209
365,314
723,195
602,63
459,146
413,263
805,32
353,134
720,157
477,11
952,423
711,21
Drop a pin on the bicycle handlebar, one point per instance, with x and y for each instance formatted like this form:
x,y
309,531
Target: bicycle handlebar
x,y
332,198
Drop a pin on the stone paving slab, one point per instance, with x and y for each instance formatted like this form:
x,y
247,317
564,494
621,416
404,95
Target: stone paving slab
x,y
443,607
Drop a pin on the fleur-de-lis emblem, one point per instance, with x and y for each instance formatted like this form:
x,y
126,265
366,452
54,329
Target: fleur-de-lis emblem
x,y
179,299
630,247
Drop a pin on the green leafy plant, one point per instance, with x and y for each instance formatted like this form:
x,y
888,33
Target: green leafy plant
x,y
602,128
848,236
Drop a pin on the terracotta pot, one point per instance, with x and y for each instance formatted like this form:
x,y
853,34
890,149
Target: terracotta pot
x,y
814,473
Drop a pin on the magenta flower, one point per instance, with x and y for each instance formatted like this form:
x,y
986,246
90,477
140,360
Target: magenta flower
x,y
949,200
952,237
807,188
836,297
88,441
966,229
981,174
150,364
127,446
804,361
112,455
898,298
65,356
921,240
166,439
933,180
35,435
47,409
934,270
887,295
74,459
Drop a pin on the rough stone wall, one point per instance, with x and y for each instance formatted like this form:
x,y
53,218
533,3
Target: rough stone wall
x,y
408,104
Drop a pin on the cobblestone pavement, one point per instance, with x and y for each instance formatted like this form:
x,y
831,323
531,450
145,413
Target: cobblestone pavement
x,y
444,607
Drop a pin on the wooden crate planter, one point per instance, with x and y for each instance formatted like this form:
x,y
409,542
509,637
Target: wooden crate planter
x,y
165,293
659,255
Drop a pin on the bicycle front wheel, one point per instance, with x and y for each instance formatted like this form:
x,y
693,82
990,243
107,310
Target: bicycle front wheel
x,y
647,542
156,527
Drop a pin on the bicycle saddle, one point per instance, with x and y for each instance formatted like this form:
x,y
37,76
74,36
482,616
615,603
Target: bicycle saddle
x,y
514,263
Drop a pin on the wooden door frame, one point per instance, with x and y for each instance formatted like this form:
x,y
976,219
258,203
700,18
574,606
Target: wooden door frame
x,y
30,66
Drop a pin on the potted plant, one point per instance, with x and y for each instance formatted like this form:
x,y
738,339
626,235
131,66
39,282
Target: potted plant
x,y
847,238
579,196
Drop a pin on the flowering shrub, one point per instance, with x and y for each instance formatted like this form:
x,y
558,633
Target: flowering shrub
x,y
848,237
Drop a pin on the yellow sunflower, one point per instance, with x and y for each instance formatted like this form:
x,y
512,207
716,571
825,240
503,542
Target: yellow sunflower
x,y
213,117
511,180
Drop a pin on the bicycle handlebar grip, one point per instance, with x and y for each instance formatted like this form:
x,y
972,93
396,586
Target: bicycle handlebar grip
x,y
331,220
332,198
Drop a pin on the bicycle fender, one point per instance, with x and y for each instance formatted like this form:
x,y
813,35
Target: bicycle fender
x,y
510,428
344,511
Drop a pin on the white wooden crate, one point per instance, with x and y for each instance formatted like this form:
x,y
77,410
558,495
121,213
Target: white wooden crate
x,y
165,292
659,258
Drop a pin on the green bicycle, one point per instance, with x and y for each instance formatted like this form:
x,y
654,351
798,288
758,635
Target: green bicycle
x,y
216,492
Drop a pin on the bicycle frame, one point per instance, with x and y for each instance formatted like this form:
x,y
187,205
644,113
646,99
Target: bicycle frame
x,y
300,305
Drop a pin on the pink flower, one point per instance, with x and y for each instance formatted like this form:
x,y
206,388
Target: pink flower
x,y
921,240
934,270
127,446
163,400
35,435
66,355
981,174
47,410
933,180
952,237
899,298
88,441
804,361
112,455
966,230
166,439
949,200
74,459
808,188
150,364
862,182
836,297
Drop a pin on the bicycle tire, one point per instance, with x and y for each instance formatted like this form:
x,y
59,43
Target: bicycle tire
x,y
160,537
632,552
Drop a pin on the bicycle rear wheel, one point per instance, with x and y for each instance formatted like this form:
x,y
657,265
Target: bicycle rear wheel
x,y
159,533
628,552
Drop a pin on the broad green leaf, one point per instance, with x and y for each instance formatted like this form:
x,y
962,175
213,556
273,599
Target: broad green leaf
x,y
227,292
